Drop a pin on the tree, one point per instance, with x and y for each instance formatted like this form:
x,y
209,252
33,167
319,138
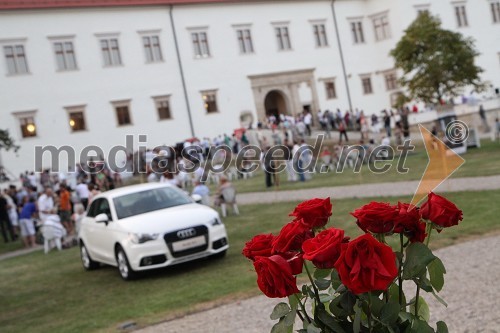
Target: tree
x,y
6,142
436,62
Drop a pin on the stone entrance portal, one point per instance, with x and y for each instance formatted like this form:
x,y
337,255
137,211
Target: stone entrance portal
x,y
277,93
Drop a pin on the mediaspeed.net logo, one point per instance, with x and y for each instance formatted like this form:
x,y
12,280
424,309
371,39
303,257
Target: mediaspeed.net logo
x,y
443,160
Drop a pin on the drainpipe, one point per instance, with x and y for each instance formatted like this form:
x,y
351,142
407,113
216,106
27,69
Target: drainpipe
x,y
181,71
341,56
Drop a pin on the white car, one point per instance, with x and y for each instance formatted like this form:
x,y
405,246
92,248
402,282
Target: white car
x,y
148,226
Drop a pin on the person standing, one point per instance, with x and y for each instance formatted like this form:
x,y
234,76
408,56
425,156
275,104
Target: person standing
x,y
26,223
342,132
65,208
82,190
5,225
308,122
387,123
482,114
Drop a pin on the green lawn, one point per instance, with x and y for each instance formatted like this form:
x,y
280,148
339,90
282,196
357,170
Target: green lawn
x,y
52,293
11,246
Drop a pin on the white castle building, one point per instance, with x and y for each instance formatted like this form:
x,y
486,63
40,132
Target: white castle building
x,y
90,72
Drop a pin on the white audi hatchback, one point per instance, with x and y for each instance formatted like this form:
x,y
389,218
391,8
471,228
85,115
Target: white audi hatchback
x,y
148,226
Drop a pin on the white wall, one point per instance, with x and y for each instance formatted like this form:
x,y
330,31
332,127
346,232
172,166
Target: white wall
x,y
49,91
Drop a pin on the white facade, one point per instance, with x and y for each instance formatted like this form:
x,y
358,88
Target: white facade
x,y
239,80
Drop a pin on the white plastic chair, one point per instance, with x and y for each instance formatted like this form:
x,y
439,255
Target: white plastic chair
x,y
229,196
52,230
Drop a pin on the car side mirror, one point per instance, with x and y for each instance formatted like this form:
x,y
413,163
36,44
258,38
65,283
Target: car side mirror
x,y
102,218
197,198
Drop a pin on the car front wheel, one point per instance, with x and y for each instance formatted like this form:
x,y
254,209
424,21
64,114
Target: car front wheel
x,y
87,262
126,272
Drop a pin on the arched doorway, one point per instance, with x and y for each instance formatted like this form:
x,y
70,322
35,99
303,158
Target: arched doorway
x,y
275,104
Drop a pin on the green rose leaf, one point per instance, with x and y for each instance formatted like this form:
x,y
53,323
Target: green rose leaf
x,y
347,301
436,273
313,329
418,256
290,318
423,308
356,325
394,293
419,326
441,327
389,313
321,273
280,327
293,300
280,310
322,284
328,320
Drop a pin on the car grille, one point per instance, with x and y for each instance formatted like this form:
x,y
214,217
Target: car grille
x,y
181,235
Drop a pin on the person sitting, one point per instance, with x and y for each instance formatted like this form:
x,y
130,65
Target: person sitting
x,y
203,191
226,194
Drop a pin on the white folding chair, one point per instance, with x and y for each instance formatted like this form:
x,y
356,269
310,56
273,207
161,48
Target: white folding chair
x,y
229,196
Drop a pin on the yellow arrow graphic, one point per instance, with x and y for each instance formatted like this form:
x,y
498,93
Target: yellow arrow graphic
x,y
443,161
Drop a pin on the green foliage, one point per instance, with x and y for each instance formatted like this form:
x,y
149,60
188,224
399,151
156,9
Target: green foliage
x,y
436,62
6,141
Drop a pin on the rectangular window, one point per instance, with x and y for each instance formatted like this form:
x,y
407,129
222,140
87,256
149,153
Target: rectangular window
x,y
367,85
320,35
65,56
391,81
461,16
28,127
16,59
111,52
152,48
122,110
495,11
331,93
245,40
77,120
283,38
210,101
200,44
381,27
357,32
162,104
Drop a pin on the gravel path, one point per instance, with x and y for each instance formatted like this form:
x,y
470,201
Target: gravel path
x,y
473,270
369,190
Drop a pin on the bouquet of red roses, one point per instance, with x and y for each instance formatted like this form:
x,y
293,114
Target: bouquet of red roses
x,y
355,285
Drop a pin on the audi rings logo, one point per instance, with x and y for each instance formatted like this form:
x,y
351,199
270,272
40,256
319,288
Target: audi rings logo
x,y
186,233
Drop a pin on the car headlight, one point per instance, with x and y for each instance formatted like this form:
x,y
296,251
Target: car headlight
x,y
216,221
142,238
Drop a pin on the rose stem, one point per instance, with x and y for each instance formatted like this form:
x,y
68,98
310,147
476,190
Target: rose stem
x,y
400,277
429,232
370,311
416,300
303,310
316,292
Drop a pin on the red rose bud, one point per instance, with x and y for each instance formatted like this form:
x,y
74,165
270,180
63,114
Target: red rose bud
x,y
314,213
440,211
295,260
409,223
366,265
260,245
291,237
324,249
376,217
274,277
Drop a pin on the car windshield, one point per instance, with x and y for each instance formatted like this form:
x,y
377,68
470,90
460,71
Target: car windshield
x,y
148,201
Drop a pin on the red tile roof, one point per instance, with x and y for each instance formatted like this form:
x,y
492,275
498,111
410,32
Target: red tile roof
x,y
37,4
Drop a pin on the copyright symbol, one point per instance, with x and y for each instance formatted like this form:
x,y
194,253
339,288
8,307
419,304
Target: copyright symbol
x,y
457,132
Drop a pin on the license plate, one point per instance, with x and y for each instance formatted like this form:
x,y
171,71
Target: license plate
x,y
188,243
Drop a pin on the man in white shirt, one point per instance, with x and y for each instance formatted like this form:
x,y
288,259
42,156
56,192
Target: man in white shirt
x,y
46,204
82,190
308,122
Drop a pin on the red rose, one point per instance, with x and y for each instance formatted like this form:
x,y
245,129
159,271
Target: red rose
x,y
408,222
440,211
376,217
314,213
274,276
324,249
291,237
260,245
295,260
366,265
